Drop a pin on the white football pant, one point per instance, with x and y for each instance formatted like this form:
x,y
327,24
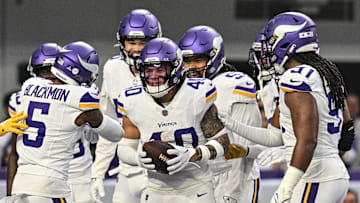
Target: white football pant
x,y
331,191
129,188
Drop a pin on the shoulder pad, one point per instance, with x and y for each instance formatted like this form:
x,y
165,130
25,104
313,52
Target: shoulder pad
x,y
240,83
89,99
303,78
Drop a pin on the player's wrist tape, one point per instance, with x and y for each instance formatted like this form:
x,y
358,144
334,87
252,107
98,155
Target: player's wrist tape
x,y
110,129
291,178
218,147
205,152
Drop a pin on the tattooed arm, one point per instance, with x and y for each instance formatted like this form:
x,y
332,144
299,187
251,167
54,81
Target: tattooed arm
x,y
212,127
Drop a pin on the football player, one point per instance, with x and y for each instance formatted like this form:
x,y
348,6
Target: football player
x,y
120,72
80,166
57,106
203,51
39,65
180,112
12,124
312,109
268,94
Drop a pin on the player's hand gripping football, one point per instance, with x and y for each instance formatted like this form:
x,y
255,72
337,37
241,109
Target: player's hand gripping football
x,y
12,124
182,158
142,160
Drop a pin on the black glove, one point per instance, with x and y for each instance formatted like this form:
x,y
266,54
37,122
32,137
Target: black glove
x,y
347,136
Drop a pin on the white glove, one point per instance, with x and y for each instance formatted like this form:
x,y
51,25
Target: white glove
x,y
97,189
182,158
142,160
280,197
271,156
287,185
12,198
89,134
223,117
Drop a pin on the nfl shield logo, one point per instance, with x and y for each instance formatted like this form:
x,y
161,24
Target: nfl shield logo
x,y
164,112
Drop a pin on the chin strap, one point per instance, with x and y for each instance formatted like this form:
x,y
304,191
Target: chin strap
x,y
281,68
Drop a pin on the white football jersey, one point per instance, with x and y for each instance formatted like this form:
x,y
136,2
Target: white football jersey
x,y
47,146
269,93
237,87
116,77
177,122
81,163
14,103
326,163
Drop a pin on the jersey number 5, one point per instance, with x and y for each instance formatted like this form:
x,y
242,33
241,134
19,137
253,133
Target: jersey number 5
x,y
44,107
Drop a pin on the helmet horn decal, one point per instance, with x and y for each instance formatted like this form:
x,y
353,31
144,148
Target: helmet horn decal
x,y
88,66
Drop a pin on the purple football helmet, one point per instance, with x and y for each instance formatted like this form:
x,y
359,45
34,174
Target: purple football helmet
x,y
43,57
159,53
138,24
204,41
261,65
289,33
77,65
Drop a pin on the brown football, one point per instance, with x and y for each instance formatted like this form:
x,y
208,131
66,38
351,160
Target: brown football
x,y
157,151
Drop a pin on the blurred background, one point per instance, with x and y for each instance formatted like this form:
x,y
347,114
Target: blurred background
x,y
25,24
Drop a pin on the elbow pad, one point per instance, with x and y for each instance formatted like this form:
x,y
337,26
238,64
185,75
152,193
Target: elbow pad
x,y
347,136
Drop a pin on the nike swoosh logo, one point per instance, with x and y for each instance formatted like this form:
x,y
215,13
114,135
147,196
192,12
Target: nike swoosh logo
x,y
199,195
291,80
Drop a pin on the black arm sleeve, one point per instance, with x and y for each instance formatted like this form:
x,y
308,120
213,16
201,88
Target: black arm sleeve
x,y
347,136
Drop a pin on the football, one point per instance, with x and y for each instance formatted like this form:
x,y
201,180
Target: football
x,y
157,151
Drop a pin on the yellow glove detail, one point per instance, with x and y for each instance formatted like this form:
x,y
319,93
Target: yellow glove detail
x,y
12,124
236,151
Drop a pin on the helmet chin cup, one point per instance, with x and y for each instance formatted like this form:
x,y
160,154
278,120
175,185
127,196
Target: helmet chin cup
x,y
158,91
267,75
279,68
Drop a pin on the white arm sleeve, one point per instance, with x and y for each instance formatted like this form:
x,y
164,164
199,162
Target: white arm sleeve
x,y
269,137
110,129
105,150
249,114
104,153
127,151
